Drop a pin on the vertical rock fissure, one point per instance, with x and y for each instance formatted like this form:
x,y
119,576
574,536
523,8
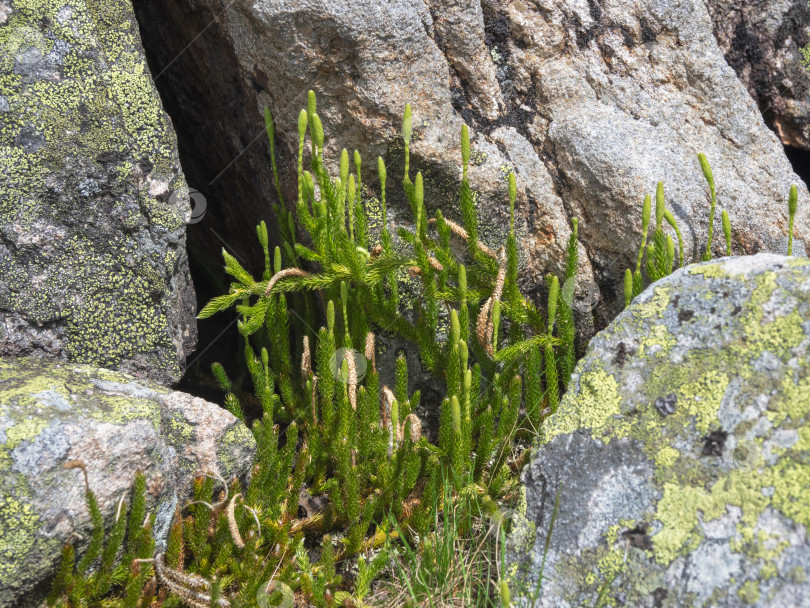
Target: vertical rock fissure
x,y
220,140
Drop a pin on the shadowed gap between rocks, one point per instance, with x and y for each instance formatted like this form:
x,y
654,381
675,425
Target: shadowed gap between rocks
x,y
218,141
800,160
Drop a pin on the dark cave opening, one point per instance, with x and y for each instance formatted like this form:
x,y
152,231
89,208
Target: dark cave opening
x,y
220,140
800,160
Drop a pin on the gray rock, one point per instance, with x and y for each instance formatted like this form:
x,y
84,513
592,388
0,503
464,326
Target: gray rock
x,y
93,267
632,91
458,29
595,103
768,45
679,455
52,412
364,59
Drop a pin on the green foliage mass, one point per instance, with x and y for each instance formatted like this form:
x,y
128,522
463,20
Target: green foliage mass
x,y
344,471
659,255
100,570
346,486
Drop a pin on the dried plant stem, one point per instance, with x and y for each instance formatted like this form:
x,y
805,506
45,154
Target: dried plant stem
x,y
459,231
231,514
484,326
283,274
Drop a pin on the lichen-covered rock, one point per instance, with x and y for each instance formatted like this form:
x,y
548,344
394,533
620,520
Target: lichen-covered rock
x,y
680,456
768,45
52,412
93,266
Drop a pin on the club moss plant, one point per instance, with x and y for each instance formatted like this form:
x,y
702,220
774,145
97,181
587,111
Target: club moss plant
x,y
659,256
347,489
344,472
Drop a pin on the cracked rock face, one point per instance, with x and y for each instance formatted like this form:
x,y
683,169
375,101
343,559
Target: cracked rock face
x,y
590,103
768,45
93,266
679,455
53,412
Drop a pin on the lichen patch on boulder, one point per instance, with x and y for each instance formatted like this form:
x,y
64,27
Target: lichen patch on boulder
x,y
681,449
92,256
52,412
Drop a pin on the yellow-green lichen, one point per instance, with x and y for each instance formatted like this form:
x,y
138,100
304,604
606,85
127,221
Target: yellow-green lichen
x,y
179,431
759,546
710,271
794,400
478,157
777,336
702,397
655,306
791,482
24,430
235,437
27,382
99,111
666,457
677,512
18,525
611,564
597,571
659,339
795,262
768,571
597,402
796,575
681,504
749,592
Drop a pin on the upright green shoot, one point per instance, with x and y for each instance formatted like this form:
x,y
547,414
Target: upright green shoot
x,y
707,173
793,201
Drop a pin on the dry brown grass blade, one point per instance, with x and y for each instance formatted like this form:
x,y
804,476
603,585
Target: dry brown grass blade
x,y
352,381
435,264
191,588
388,399
484,326
314,400
78,464
231,514
460,232
307,524
306,361
416,426
283,274
370,351
481,327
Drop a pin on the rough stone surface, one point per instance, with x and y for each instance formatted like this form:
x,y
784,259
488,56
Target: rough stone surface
x,y
93,265
681,451
52,412
632,90
768,45
595,103
365,60
459,32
